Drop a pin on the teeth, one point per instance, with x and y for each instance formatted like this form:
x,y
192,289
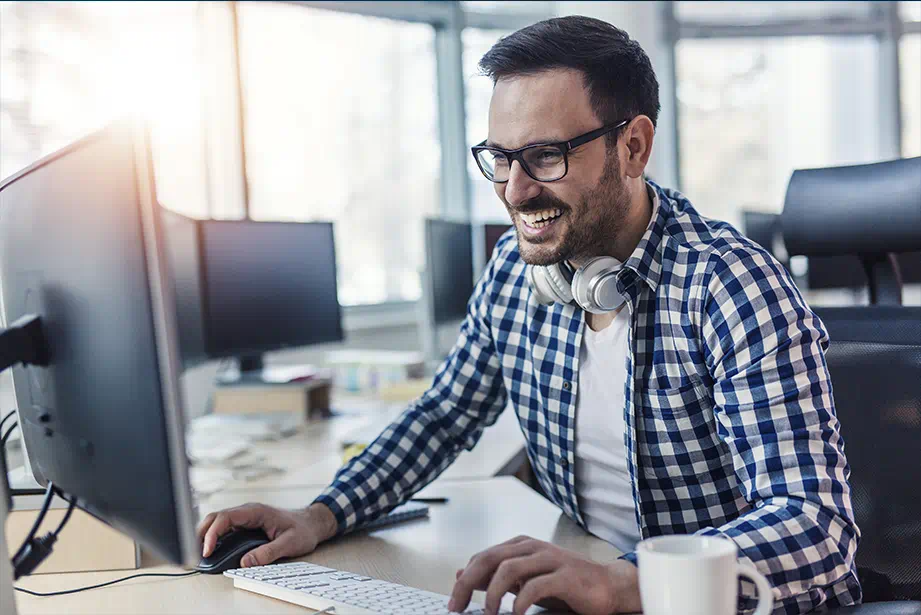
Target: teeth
x,y
541,218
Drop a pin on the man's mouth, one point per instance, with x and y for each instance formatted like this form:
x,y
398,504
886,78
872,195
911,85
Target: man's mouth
x,y
540,219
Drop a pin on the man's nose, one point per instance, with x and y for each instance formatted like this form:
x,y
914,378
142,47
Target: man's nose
x,y
520,187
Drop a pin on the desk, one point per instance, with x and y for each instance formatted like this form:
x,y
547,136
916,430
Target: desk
x,y
314,455
422,553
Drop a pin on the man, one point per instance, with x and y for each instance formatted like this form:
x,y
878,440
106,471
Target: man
x,y
691,396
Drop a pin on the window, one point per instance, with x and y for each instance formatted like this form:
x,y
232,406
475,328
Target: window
x,y
68,68
753,110
910,11
485,205
749,13
526,7
341,125
910,68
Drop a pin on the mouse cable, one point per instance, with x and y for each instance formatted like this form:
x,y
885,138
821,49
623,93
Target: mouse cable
x,y
83,589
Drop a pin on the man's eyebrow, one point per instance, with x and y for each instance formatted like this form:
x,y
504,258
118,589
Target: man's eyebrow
x,y
490,143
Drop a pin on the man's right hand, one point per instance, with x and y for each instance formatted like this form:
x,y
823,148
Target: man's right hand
x,y
292,532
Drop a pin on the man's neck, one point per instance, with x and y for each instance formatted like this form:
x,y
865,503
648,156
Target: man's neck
x,y
637,220
600,322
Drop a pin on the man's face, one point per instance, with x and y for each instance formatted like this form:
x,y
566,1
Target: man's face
x,y
580,215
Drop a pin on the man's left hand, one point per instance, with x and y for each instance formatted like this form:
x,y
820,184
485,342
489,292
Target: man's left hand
x,y
544,574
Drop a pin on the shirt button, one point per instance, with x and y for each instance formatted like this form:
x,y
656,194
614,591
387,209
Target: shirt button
x,y
567,385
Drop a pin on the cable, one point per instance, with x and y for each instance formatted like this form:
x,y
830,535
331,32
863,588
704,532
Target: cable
x,y
5,418
83,589
70,510
6,436
49,495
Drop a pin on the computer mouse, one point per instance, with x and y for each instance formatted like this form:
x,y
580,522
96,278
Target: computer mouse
x,y
230,549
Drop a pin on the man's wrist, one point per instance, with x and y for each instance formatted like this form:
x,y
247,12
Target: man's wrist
x,y
323,519
625,587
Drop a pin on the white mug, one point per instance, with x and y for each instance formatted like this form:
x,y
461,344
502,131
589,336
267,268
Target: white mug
x,y
695,575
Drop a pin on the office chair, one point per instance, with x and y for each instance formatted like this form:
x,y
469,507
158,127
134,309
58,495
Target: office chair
x,y
874,358
872,211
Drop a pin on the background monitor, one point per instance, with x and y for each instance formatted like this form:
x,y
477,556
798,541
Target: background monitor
x,y
449,268
184,254
762,228
81,246
491,235
267,286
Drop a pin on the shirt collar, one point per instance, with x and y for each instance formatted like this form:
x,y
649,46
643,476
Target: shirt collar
x,y
646,259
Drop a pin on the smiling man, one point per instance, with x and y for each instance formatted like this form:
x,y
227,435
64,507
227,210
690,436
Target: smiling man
x,y
667,374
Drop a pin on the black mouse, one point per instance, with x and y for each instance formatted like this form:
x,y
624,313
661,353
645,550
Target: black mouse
x,y
230,549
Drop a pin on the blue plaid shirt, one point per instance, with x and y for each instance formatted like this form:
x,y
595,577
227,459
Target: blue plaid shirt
x,y
730,423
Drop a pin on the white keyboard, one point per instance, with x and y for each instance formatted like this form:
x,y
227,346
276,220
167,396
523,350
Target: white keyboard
x,y
320,588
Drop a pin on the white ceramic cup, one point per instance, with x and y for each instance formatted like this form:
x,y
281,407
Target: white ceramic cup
x,y
695,575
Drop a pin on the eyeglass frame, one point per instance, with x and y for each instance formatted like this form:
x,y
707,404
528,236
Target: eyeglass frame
x,y
564,146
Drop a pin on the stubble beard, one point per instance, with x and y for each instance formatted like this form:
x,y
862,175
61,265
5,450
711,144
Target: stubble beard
x,y
602,214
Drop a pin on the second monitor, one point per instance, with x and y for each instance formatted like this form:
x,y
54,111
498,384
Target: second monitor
x,y
449,269
246,287
268,286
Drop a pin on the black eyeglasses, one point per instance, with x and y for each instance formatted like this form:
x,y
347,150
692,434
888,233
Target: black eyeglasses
x,y
543,162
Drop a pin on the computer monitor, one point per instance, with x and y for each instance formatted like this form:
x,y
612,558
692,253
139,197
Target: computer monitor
x,y
762,228
449,269
267,286
491,235
81,246
181,235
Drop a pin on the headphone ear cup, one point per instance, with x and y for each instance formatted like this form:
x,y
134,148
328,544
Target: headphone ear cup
x,y
549,285
594,285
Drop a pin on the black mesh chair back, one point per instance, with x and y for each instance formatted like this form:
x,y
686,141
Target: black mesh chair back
x,y
875,363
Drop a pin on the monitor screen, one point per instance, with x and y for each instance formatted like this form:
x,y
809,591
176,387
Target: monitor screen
x,y
491,235
449,267
268,286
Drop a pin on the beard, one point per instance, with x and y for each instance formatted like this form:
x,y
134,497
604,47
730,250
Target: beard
x,y
592,225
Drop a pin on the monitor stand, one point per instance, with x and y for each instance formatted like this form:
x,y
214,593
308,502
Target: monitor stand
x,y
251,370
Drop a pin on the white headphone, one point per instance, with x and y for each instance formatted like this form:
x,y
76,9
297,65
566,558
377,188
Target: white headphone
x,y
593,286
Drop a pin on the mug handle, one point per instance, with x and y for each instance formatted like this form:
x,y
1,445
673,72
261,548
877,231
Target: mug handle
x,y
765,595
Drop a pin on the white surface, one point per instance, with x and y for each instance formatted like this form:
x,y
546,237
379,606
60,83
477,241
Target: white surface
x,y
223,448
688,575
602,477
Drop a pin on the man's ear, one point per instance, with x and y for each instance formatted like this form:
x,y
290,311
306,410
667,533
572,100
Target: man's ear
x,y
638,136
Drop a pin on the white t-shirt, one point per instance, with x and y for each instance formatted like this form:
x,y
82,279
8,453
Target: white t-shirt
x,y
602,475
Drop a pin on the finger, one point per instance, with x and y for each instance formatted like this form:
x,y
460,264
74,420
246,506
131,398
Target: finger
x,y
242,516
481,568
205,524
514,573
518,539
283,546
539,588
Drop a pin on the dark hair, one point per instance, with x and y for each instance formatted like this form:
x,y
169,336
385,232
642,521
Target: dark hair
x,y
618,74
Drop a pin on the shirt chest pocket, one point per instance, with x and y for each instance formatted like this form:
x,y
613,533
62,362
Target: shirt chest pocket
x,y
676,435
